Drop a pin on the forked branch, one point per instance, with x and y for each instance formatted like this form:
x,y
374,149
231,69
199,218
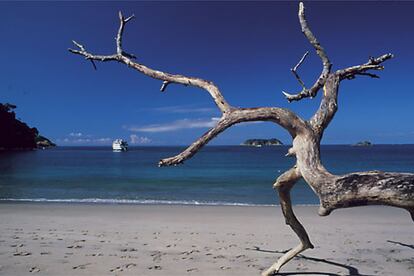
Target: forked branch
x,y
122,23
329,103
320,51
372,64
126,58
294,71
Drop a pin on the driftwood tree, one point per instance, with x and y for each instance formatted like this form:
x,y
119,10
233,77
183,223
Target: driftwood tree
x,y
334,191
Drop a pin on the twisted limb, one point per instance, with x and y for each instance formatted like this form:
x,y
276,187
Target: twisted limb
x,y
283,185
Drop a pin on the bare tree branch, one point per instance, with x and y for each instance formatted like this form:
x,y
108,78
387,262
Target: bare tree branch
x,y
283,117
122,23
374,76
312,91
164,85
329,103
88,56
122,57
368,188
295,73
372,64
327,108
294,70
283,185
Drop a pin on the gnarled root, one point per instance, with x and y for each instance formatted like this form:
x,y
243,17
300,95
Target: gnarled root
x,y
284,184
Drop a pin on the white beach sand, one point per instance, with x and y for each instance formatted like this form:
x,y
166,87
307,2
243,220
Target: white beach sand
x,y
76,239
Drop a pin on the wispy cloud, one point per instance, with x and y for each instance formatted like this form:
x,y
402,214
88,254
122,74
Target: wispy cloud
x,y
75,134
139,140
79,134
78,138
176,125
84,140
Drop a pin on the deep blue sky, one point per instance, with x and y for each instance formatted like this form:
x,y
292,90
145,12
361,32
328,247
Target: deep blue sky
x,y
246,48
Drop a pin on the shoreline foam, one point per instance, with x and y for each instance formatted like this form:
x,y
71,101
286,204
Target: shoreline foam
x,y
138,202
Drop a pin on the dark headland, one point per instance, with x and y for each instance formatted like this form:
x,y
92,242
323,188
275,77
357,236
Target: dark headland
x,y
17,135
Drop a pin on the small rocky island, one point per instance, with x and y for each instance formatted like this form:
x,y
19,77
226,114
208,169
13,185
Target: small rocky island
x,y
17,135
363,144
262,142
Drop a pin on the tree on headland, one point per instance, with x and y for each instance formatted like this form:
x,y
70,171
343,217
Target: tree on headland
x,y
334,191
15,134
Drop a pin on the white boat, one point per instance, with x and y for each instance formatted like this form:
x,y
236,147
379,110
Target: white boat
x,y
119,145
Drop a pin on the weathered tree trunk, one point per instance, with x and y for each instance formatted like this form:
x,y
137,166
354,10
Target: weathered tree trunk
x,y
334,191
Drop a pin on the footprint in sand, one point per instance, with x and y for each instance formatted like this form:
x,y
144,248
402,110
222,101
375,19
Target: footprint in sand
x,y
81,266
155,267
34,269
157,256
128,257
123,267
95,255
74,246
192,270
189,252
130,249
22,253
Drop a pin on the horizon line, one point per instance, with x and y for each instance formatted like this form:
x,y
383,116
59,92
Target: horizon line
x,y
233,145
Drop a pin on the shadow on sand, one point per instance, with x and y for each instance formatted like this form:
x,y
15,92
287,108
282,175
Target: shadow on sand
x,y
352,271
402,244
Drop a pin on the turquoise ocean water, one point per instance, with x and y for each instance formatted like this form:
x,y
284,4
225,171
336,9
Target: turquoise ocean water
x,y
218,175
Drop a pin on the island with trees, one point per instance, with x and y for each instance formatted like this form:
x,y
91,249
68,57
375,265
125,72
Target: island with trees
x,y
363,144
262,142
